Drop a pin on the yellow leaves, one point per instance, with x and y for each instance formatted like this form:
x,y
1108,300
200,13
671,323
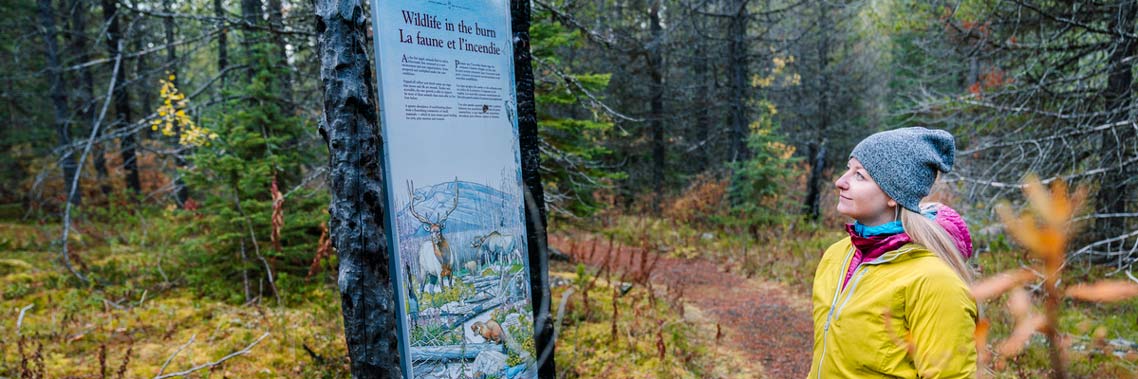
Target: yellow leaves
x,y
172,118
1107,291
762,81
778,73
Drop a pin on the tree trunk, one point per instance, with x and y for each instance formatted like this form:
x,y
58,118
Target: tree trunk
x,y
814,184
822,129
121,98
1118,144
181,193
276,26
349,128
655,69
251,16
737,56
222,41
58,99
535,201
86,87
703,122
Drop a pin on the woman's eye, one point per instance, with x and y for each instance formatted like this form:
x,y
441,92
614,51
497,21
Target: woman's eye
x,y
859,176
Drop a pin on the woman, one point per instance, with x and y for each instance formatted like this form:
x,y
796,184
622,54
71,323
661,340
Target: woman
x,y
892,300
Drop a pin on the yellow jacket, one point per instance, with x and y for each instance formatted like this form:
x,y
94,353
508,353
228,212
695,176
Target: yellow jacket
x,y
908,294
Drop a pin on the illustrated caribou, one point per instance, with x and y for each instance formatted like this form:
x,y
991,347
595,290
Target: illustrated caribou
x,y
494,247
435,258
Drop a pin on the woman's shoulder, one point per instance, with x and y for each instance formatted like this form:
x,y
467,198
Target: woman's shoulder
x,y
842,244
927,272
837,251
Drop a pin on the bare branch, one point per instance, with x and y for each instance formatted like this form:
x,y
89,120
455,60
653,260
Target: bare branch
x,y
171,357
214,363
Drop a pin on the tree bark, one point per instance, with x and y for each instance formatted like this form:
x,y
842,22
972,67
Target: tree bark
x,y
813,185
86,86
822,129
535,200
349,128
58,99
737,55
222,41
251,16
276,27
122,99
656,104
1118,144
181,192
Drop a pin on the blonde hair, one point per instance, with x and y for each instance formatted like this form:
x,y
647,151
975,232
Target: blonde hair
x,y
932,236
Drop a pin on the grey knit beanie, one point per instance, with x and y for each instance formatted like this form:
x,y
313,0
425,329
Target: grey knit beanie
x,y
904,162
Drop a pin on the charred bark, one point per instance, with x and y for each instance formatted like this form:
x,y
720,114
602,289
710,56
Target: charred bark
x,y
350,128
121,98
529,139
58,99
1118,143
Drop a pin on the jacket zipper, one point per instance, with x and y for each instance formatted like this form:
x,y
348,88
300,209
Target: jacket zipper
x,y
854,280
830,315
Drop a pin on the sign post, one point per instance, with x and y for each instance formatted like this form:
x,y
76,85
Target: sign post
x,y
457,222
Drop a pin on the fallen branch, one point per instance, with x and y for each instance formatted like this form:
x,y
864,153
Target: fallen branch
x,y
176,352
214,363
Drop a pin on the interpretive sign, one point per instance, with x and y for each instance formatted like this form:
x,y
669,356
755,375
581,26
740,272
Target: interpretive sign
x,y
455,193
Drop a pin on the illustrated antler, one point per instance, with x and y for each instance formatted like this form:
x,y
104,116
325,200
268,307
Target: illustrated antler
x,y
411,191
453,206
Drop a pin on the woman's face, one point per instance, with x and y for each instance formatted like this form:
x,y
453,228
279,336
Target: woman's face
x,y
860,198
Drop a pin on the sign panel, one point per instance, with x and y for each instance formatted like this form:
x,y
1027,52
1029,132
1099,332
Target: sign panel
x,y
453,174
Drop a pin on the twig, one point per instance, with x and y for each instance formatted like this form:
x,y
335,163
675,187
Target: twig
x,y
176,352
214,363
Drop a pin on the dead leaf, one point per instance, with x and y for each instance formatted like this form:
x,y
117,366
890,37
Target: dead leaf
x,y
1107,291
1018,340
996,285
1019,304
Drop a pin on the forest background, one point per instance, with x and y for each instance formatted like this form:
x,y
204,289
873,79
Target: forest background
x,y
165,180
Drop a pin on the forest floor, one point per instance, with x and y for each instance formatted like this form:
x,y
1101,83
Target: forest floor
x,y
764,322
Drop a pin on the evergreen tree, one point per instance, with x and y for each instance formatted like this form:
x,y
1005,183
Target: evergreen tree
x,y
260,152
573,144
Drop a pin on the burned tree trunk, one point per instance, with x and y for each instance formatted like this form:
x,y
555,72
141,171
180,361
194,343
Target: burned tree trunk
x,y
656,72
817,154
58,99
85,87
350,128
181,192
1118,143
122,98
529,142
737,55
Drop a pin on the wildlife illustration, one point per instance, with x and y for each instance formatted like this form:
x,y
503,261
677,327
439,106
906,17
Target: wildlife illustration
x,y
462,253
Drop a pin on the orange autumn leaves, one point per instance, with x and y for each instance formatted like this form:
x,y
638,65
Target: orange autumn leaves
x,y
1044,230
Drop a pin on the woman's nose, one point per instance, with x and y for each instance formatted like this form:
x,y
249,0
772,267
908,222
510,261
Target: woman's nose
x,y
841,183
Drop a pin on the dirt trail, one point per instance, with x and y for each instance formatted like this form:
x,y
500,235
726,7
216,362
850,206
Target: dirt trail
x,y
764,321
